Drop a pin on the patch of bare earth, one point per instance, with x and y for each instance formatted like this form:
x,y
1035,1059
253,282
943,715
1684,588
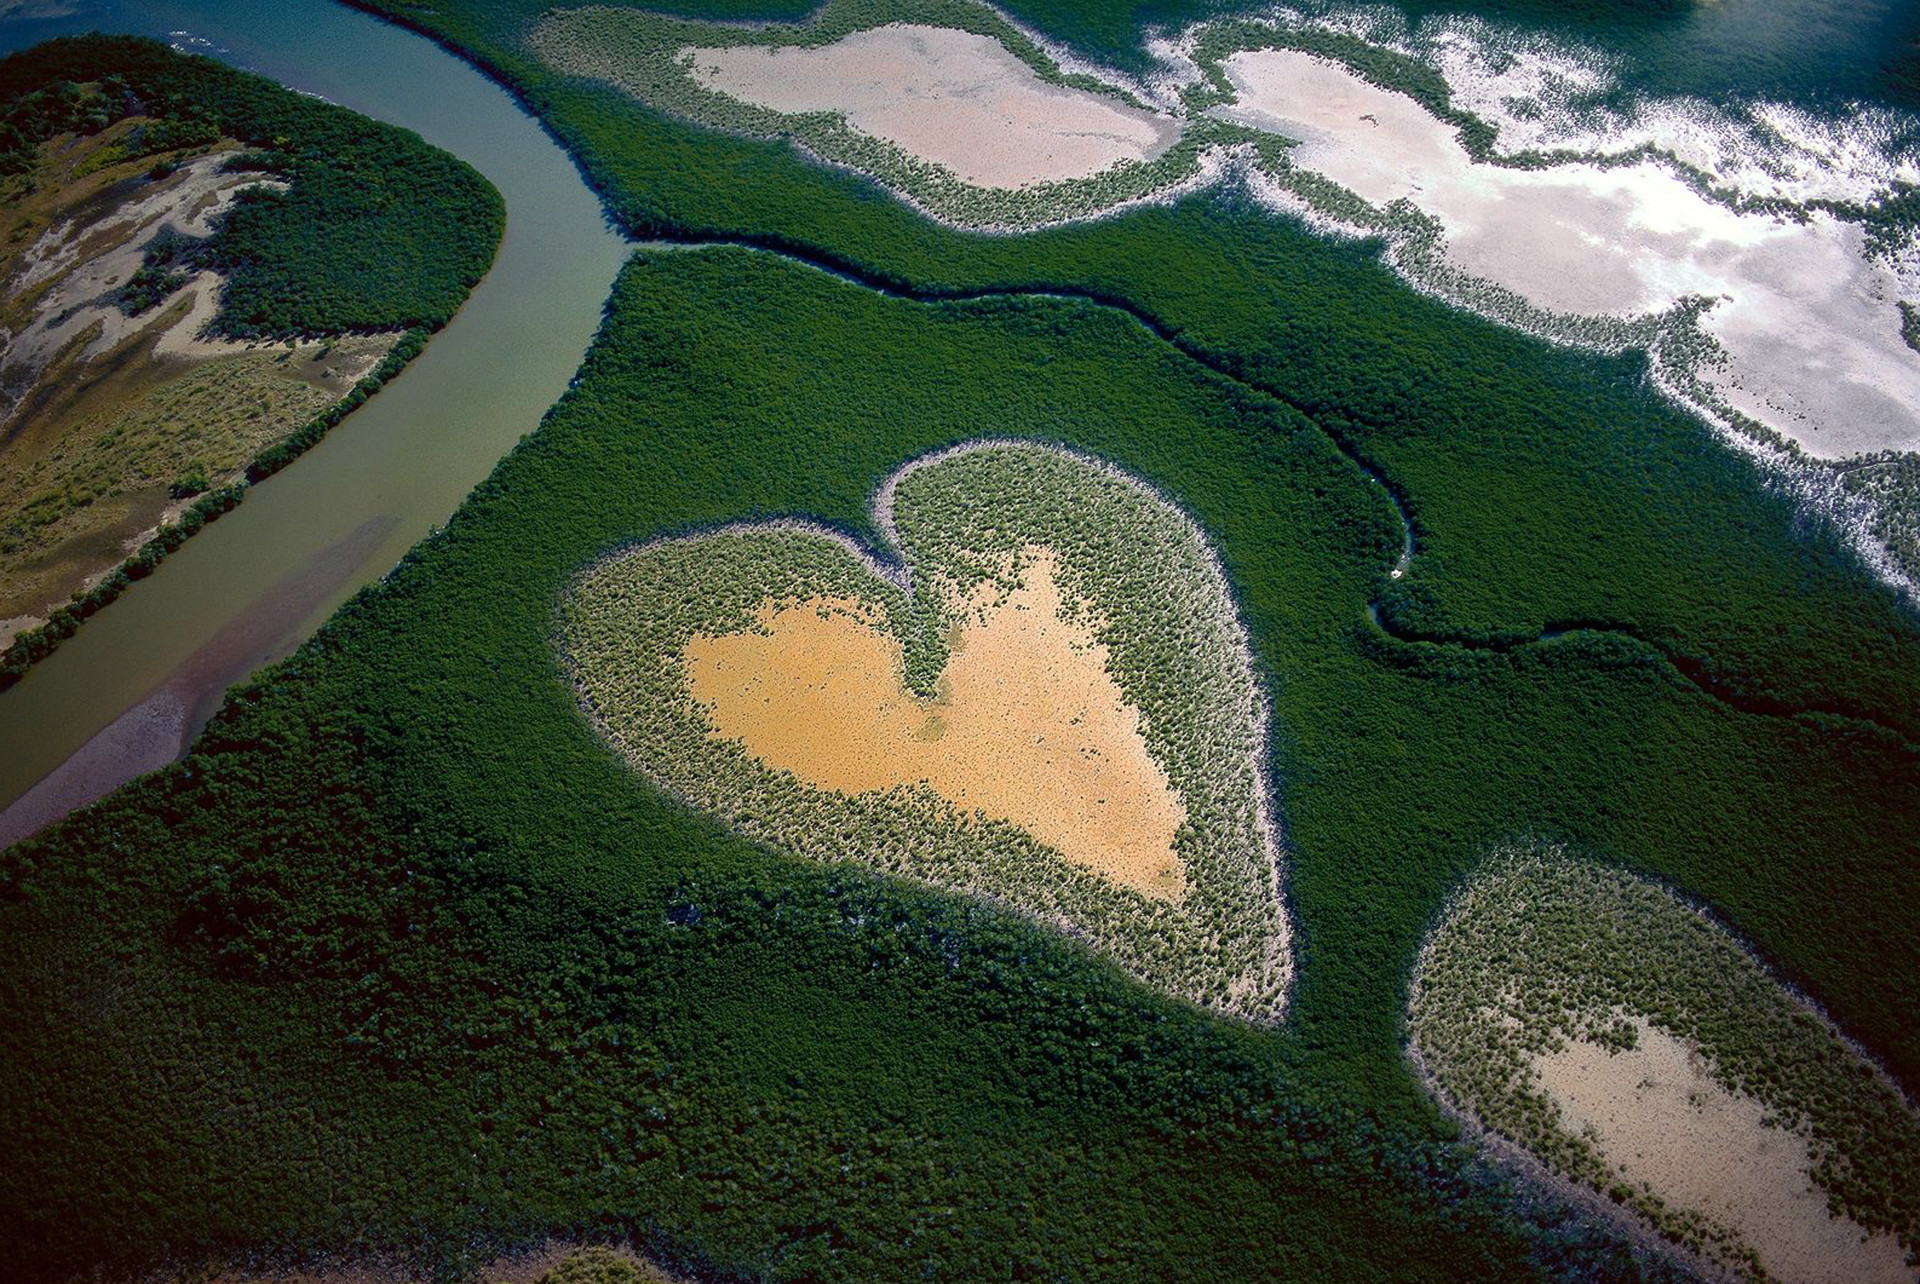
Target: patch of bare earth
x,y
1028,726
957,99
1657,1115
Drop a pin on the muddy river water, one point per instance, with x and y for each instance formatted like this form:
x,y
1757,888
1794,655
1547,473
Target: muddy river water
x,y
134,685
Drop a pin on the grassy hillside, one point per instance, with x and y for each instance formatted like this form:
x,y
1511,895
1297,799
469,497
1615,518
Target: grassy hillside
x,y
410,958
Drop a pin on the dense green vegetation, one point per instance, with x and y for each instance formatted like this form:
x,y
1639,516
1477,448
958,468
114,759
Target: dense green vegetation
x,y
514,990
958,522
562,1001
1257,297
596,1265
410,959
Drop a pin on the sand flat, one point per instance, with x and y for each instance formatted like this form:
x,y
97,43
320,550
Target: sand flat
x,y
1660,1118
1810,326
1028,727
958,99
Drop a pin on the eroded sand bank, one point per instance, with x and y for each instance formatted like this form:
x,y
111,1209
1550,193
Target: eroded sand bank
x,y
1810,325
1661,1119
1029,727
957,99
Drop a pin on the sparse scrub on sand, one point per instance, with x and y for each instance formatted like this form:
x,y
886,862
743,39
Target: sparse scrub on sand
x,y
1130,564
1891,486
1540,949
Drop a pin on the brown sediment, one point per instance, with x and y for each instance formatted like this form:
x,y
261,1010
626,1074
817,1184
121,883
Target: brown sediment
x,y
1662,1121
1028,725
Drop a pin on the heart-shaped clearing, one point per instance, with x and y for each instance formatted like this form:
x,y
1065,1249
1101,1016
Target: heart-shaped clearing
x,y
1050,705
1027,725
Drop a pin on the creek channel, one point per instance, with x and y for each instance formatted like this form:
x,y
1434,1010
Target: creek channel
x,y
129,691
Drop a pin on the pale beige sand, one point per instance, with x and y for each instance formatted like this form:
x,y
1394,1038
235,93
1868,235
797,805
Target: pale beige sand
x,y
1810,326
1661,1119
958,99
1028,726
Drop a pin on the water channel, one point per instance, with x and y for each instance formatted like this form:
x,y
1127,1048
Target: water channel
x,y
135,684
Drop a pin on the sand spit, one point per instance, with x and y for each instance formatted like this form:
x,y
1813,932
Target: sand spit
x,y
840,706
1595,1023
108,419
1655,1113
1028,726
950,97
1808,323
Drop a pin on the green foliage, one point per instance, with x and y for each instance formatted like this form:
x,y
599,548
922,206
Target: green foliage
x,y
377,231
412,958
522,992
30,118
169,263
190,484
594,1266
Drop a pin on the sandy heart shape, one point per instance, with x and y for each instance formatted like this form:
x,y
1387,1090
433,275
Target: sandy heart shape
x,y
1047,702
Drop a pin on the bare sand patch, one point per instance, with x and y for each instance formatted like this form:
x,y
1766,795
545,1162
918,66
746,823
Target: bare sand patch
x,y
1809,324
1656,1114
1028,727
951,97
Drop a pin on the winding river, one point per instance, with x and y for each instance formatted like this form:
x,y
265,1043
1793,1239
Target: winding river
x,y
128,692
